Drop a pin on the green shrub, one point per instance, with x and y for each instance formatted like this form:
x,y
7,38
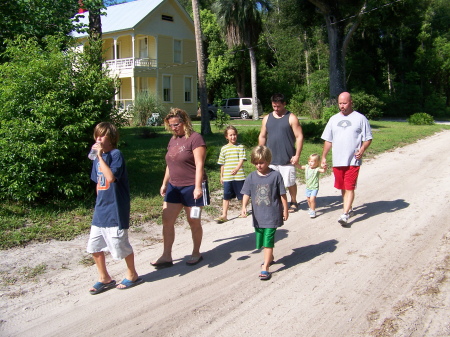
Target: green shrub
x,y
369,105
222,119
143,106
249,138
312,131
421,118
50,102
328,112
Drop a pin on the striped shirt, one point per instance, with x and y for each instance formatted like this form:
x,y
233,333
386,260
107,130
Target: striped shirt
x,y
230,155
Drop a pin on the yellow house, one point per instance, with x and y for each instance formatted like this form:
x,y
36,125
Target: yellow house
x,y
150,46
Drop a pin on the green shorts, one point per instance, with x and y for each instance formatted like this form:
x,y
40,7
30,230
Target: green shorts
x,y
265,237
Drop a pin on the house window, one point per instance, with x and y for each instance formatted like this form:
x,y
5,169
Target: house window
x,y
167,88
167,18
143,84
176,51
143,48
117,56
188,89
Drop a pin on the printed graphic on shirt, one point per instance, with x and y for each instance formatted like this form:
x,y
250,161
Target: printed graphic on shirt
x,y
102,183
344,123
262,195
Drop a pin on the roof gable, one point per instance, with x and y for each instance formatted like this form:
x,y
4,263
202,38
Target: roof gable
x,y
125,16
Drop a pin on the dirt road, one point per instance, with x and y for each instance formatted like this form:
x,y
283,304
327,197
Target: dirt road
x,y
388,274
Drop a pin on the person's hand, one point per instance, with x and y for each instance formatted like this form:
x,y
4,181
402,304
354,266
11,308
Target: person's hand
x,y
162,190
285,214
198,193
324,163
233,172
359,153
294,160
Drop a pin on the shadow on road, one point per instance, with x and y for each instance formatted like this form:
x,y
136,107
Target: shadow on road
x,y
307,253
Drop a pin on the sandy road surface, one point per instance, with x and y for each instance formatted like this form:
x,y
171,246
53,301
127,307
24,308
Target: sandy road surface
x,y
386,275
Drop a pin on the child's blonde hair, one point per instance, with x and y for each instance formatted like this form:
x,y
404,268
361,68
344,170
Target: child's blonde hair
x,y
261,153
316,159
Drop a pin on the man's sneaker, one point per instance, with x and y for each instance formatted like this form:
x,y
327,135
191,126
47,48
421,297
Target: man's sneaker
x,y
343,219
312,214
351,213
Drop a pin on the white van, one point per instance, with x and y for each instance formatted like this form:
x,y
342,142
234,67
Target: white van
x,y
239,107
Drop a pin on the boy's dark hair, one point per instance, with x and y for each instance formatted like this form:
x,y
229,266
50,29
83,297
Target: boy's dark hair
x,y
109,130
278,98
229,127
261,153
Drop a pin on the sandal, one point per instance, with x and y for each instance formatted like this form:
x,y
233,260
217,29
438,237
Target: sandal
x,y
293,208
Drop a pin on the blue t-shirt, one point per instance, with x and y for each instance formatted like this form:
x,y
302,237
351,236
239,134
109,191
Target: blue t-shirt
x,y
112,207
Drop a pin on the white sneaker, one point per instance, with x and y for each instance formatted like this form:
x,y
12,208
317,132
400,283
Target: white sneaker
x,y
309,211
312,214
343,219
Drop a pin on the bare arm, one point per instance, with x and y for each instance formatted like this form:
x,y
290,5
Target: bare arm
x,y
106,170
285,207
363,148
245,200
326,149
298,133
166,178
222,168
236,169
262,139
199,158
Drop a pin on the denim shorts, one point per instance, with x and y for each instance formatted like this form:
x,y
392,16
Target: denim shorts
x,y
311,193
185,195
232,189
109,239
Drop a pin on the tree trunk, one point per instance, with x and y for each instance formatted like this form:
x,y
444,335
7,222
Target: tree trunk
x,y
253,69
205,124
95,35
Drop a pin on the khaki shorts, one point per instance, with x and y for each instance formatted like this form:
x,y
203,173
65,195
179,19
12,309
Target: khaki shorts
x,y
109,239
287,172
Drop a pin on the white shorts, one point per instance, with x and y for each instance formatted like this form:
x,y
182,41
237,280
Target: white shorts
x,y
287,172
112,239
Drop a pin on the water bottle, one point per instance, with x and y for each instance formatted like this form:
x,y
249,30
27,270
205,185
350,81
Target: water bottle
x,y
93,154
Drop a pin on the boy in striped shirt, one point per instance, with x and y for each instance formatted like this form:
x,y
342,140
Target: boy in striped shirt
x,y
232,176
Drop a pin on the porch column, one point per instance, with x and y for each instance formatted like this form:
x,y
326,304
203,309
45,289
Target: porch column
x,y
117,96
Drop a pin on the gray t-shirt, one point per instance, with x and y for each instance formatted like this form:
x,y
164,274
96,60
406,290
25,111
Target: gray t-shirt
x,y
346,133
265,192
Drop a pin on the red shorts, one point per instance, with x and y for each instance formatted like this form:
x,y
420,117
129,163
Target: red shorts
x,y
345,177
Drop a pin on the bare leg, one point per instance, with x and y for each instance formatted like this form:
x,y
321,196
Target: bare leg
x,y
100,262
169,216
225,205
131,274
308,199
293,192
197,232
312,203
268,258
347,197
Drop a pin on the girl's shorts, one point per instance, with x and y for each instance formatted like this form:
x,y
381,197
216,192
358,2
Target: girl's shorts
x,y
345,177
311,193
185,195
109,239
265,237
232,189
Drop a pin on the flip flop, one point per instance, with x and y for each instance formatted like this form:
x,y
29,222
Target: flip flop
x,y
161,265
220,220
130,284
194,260
243,216
265,275
101,287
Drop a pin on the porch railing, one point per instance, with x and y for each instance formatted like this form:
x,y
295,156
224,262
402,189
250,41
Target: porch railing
x,y
130,63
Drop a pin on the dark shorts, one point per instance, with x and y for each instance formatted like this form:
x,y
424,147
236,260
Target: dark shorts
x,y
185,195
232,189
345,177
265,237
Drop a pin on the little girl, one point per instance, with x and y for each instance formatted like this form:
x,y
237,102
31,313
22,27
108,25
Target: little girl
x,y
312,171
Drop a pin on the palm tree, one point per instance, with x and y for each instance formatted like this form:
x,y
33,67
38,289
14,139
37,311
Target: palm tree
x,y
242,25
205,125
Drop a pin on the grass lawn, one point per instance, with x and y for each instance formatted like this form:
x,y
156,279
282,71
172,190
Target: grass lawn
x,y
21,224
